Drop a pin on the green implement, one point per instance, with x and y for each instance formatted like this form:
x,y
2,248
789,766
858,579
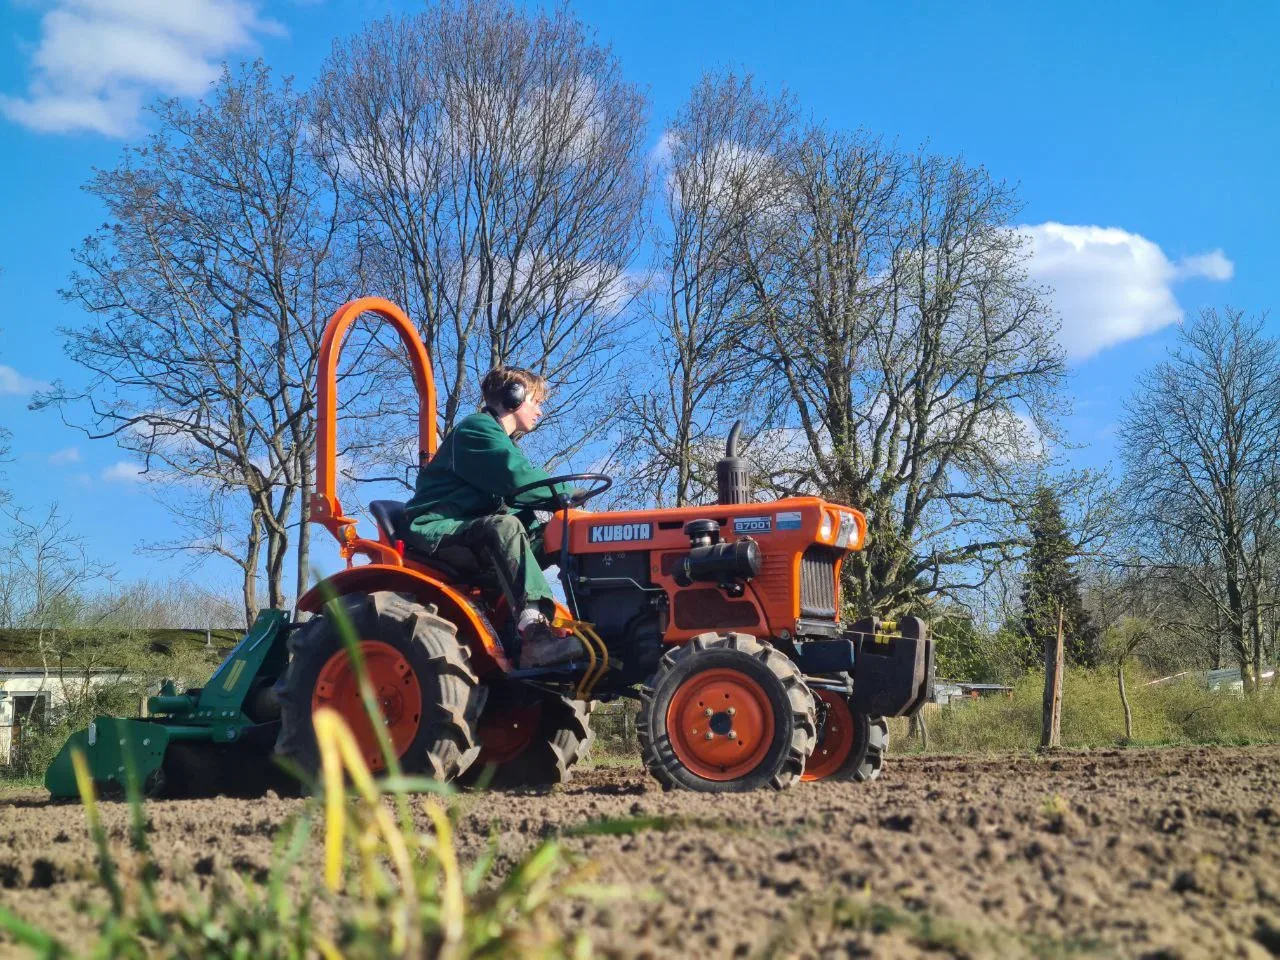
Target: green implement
x,y
214,739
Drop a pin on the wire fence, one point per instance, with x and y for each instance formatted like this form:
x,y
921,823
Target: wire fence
x,y
615,727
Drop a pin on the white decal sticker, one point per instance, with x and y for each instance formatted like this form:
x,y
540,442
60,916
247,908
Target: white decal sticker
x,y
789,520
620,533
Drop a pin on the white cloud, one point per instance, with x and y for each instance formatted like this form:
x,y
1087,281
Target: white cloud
x,y
64,456
546,280
1110,285
98,59
722,174
660,155
122,471
1210,266
11,381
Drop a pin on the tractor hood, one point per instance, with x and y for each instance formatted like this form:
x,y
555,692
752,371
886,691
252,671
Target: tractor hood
x,y
780,526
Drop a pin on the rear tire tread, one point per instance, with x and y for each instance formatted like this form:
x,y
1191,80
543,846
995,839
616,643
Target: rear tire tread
x,y
877,746
564,739
452,695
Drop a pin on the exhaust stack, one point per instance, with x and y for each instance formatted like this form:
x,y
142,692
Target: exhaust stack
x,y
733,479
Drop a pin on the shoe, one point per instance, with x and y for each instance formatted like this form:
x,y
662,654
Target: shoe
x,y
540,647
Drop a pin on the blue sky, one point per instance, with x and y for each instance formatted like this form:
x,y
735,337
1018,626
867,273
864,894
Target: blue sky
x,y
1143,137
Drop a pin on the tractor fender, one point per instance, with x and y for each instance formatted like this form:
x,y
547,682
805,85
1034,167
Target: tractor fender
x,y
473,629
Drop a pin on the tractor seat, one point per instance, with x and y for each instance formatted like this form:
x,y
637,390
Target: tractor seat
x,y
390,517
457,563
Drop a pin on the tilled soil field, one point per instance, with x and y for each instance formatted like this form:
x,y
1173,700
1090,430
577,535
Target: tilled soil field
x,y
1158,853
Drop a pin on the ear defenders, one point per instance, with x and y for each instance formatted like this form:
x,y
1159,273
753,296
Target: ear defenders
x,y
512,396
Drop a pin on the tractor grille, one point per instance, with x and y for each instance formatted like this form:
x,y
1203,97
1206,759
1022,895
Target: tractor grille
x,y
818,582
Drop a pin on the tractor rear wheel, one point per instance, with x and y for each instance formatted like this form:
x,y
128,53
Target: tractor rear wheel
x,y
429,696
530,742
726,713
851,746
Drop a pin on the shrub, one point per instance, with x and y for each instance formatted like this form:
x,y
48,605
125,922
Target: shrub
x,y
1180,712
614,725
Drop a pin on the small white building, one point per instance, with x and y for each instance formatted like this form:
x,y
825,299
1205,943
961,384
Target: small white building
x,y
1227,679
959,691
31,695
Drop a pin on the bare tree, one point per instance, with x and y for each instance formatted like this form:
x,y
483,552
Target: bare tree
x,y
722,168
496,158
223,253
1127,606
43,575
163,605
1200,443
1186,571
919,364
5,439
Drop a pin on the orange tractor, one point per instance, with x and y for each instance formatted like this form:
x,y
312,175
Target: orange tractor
x,y
722,620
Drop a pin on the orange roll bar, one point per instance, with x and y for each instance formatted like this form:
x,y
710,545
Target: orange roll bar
x,y
325,508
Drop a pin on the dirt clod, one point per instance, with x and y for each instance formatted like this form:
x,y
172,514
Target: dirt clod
x,y
900,822
43,874
1268,935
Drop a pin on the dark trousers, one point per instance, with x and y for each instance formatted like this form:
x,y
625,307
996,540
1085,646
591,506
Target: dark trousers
x,y
502,538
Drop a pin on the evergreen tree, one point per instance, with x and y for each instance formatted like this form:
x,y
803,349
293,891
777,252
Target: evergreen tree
x,y
1052,584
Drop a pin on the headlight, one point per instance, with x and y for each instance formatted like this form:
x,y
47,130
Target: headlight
x,y
848,530
827,525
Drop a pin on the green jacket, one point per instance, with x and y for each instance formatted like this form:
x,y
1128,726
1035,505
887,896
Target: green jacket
x,y
475,468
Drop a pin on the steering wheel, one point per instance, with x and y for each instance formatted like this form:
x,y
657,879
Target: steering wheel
x,y
558,501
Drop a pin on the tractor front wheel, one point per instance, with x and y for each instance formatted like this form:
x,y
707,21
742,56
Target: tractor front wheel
x,y
726,713
427,693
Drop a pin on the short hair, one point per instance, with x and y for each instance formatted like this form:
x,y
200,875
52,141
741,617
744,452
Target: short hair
x,y
491,387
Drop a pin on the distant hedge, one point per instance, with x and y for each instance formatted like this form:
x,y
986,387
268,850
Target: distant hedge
x,y
1181,712
19,649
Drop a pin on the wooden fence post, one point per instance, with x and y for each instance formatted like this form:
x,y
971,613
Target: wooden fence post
x,y
1051,716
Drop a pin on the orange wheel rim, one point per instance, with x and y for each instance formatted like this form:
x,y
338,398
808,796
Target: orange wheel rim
x,y
720,724
395,686
507,733
837,738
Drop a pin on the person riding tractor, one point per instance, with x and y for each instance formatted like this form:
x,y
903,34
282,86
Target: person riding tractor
x,y
723,620
463,499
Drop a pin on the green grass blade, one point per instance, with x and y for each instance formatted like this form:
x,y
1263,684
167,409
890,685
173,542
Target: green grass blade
x,y
30,936
624,826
